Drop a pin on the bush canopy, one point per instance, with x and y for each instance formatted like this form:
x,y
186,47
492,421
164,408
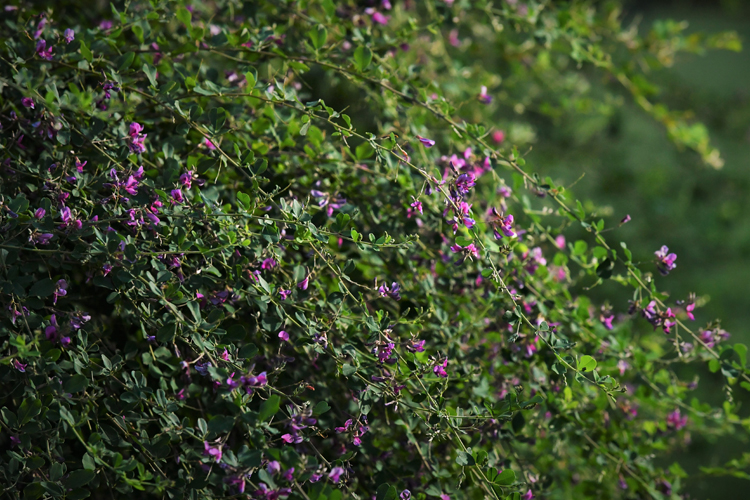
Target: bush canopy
x,y
284,248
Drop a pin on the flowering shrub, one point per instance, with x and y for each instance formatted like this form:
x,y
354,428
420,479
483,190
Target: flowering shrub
x,y
216,285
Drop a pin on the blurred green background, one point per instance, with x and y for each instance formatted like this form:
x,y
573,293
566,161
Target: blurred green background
x,y
702,214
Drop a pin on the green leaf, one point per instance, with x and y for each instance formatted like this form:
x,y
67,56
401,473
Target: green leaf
x,y
150,72
125,61
318,37
29,409
195,310
505,478
386,492
586,363
269,407
248,351
78,478
464,459
741,350
184,16
362,57
43,288
138,32
76,383
85,52
321,408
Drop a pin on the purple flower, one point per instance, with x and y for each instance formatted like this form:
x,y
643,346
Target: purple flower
x,y
50,332
14,441
284,336
405,495
28,102
428,143
69,35
392,291
273,467
504,224
212,451
78,320
289,474
439,370
335,474
61,291
177,195
19,366
465,182
527,496
289,439
484,98
39,213
284,293
41,238
43,51
675,421
665,261
186,179
625,219
606,320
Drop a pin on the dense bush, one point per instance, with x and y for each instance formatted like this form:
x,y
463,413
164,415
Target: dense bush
x,y
217,285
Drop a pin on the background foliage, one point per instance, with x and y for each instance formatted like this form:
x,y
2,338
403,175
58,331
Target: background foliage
x,y
235,263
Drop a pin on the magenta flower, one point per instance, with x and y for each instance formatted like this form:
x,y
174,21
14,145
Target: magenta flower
x,y
79,165
289,439
428,143
210,145
302,285
177,195
405,495
484,98
69,35
28,102
625,220
378,17
689,311
19,366
284,293
668,321
622,366
283,335
415,345
212,451
675,421
39,213
606,320
560,242
43,51
528,495
439,370
335,474
417,205
268,263
498,136
135,141
665,261
443,496
466,252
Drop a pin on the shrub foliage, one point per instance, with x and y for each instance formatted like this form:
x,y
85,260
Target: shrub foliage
x,y
215,284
